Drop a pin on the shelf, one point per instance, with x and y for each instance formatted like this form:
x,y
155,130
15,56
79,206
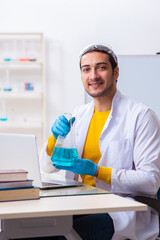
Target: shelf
x,y
20,95
20,65
24,105
19,124
14,62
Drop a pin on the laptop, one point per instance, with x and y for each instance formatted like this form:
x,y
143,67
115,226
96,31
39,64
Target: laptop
x,y
19,151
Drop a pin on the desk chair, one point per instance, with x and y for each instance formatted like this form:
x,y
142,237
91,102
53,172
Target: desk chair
x,y
151,202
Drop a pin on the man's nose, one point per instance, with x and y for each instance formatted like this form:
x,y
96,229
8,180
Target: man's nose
x,y
94,74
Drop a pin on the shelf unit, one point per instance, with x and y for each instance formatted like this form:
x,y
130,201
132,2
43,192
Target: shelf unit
x,y
22,84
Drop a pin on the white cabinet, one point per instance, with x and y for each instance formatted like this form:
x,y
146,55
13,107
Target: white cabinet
x,y
22,84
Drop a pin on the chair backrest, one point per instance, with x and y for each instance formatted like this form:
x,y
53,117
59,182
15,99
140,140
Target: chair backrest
x,y
158,194
151,202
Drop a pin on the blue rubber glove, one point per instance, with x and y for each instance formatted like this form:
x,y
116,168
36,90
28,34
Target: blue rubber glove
x,y
61,126
80,166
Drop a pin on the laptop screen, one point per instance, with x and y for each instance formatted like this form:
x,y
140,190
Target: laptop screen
x,y
19,151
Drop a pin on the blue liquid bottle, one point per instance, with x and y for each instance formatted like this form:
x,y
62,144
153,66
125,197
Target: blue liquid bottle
x,y
65,148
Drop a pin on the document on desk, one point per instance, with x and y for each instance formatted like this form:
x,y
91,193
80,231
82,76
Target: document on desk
x,y
72,191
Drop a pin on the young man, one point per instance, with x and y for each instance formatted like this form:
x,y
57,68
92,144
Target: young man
x,y
118,143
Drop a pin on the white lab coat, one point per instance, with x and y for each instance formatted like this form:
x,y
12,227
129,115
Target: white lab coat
x,y
130,145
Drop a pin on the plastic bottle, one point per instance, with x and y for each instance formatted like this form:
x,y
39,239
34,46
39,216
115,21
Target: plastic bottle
x,y
7,86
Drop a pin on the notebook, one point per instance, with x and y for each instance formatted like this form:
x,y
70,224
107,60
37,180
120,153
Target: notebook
x,y
19,151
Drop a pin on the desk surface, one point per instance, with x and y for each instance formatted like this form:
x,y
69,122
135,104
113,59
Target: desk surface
x,y
68,205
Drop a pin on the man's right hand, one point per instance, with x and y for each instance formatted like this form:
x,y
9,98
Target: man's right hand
x,y
61,126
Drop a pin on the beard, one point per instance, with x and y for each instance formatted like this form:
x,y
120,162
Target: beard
x,y
105,92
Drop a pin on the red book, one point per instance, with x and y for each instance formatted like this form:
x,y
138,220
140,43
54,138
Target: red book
x,y
13,175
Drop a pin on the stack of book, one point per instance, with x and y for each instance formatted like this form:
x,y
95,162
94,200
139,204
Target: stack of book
x,y
14,185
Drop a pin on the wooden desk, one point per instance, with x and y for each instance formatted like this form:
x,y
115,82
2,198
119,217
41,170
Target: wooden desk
x,y
46,216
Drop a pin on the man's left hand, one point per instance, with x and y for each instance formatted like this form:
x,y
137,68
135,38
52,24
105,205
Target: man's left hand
x,y
80,166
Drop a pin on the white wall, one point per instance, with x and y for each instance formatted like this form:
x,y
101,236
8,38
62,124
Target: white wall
x,y
129,26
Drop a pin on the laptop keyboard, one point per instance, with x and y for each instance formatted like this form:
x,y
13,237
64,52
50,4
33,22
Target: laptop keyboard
x,y
45,184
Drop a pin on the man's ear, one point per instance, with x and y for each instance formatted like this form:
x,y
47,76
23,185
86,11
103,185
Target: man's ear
x,y
116,72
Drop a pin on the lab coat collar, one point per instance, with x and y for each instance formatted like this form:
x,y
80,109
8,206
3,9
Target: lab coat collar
x,y
115,101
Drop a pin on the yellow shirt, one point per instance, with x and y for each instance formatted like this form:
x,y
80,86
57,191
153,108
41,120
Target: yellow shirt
x,y
50,144
91,149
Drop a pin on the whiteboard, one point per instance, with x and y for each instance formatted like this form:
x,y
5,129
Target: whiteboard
x,y
139,79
